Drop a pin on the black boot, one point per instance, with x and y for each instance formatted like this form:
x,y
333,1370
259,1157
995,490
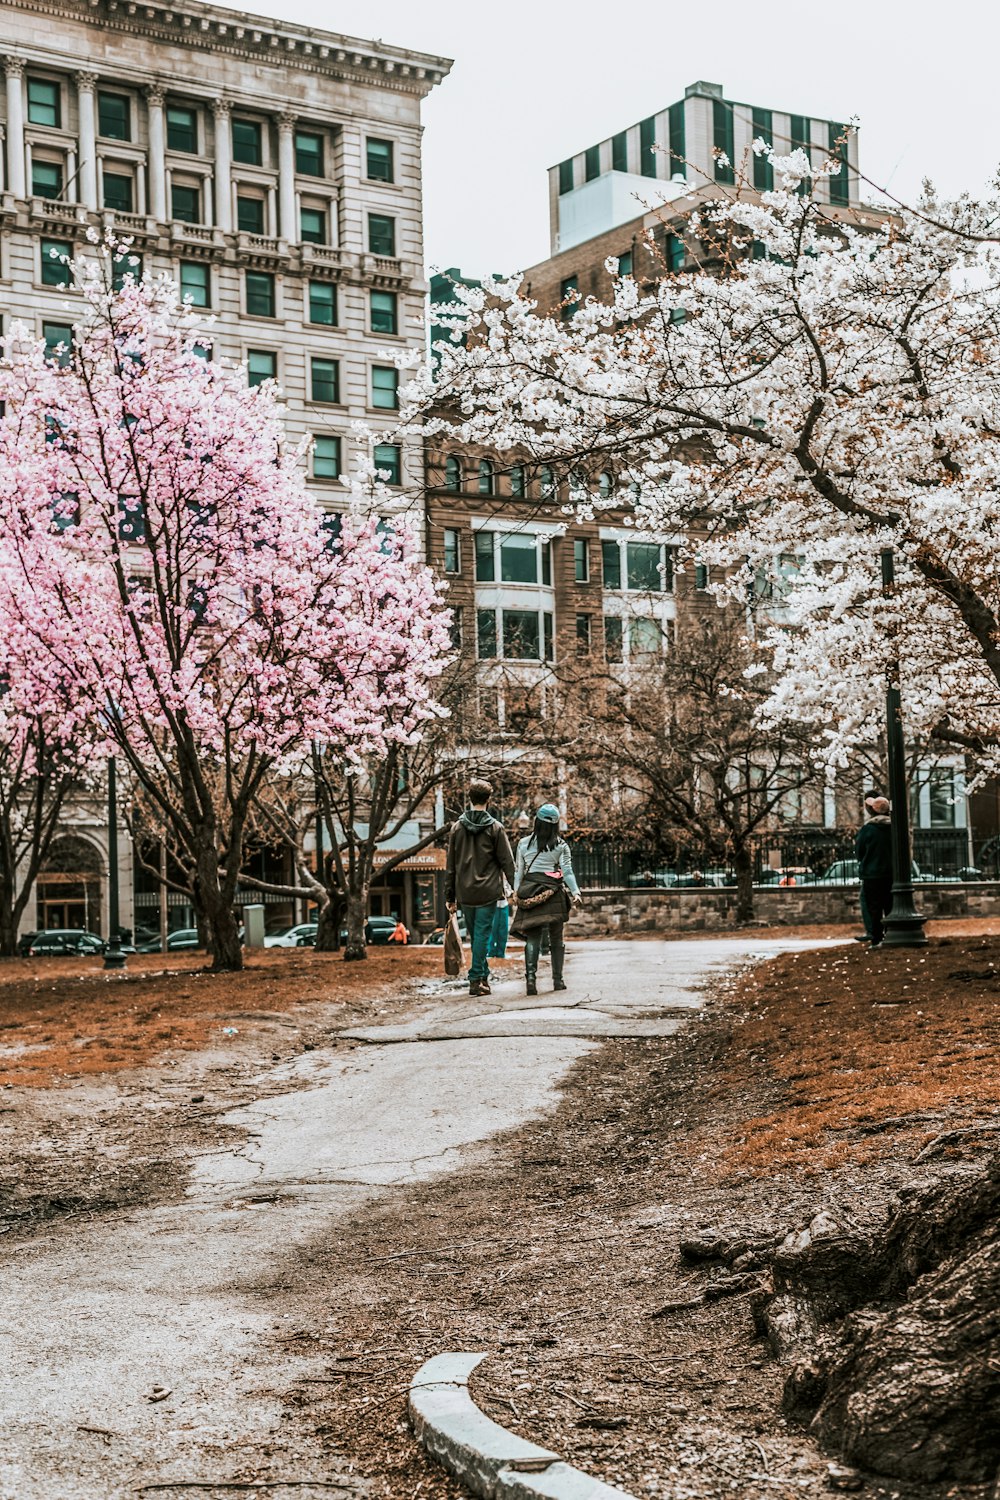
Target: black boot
x,y
559,984
530,985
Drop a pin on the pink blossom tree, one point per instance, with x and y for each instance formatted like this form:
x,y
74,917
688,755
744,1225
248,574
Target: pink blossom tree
x,y
184,576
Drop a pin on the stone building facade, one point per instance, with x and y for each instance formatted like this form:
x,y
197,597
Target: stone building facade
x,y
273,170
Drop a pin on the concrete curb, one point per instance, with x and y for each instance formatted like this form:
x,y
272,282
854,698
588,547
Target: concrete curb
x,y
490,1461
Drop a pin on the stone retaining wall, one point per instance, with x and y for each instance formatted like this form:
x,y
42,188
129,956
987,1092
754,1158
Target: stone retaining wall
x,y
609,913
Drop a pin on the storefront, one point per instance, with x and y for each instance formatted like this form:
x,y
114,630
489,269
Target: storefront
x,y
413,889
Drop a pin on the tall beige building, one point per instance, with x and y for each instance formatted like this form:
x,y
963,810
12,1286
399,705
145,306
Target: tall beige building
x,y
275,172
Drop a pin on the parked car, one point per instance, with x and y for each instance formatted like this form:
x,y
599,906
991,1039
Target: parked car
x,y
292,937
184,940
654,879
64,941
378,930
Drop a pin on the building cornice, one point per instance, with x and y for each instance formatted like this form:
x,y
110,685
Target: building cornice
x,y
255,38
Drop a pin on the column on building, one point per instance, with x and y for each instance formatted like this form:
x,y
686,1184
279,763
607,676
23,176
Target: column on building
x,y
289,228
14,69
157,154
86,84
223,166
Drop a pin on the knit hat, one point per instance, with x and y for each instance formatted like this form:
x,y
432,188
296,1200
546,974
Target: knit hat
x,y
547,813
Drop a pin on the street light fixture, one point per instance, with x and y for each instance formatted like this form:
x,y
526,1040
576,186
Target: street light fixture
x,y
114,958
904,925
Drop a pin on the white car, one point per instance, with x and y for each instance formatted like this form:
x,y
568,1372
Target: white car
x,y
291,937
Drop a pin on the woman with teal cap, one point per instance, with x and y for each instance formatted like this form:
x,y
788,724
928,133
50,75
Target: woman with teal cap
x,y
544,886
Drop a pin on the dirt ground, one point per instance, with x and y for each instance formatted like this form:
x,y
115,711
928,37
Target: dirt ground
x,y
558,1255
816,1079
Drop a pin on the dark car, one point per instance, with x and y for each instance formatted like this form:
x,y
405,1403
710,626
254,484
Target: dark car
x,y
378,930
64,942
184,940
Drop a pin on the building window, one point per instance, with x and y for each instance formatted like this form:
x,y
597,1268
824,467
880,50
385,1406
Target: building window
x,y
46,178
312,226
381,234
66,511
941,797
568,296
131,518
309,153
605,485
54,268
840,186
645,637
250,215
581,559
517,481
521,638
763,171
332,527
44,102
592,163
453,474
262,364
182,128
326,457
486,634
619,152
566,176
323,302
485,557
260,294
644,567
247,142
385,387
647,140
613,637
700,577
118,192
114,116
325,380
625,263
384,314
487,477
583,641
518,558
125,265
389,459
678,139
195,283
452,550
548,482
58,342
722,137
185,203
676,253
378,155
611,563
801,140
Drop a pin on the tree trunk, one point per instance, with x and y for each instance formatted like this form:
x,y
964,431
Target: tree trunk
x,y
329,921
743,865
893,1334
217,914
8,925
357,913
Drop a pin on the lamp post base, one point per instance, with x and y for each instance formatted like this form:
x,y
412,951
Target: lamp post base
x,y
114,958
904,925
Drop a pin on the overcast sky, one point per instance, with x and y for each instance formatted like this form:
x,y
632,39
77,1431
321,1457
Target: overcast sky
x,y
538,80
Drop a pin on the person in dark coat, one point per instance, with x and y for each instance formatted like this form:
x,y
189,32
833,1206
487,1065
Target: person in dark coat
x,y
479,858
873,847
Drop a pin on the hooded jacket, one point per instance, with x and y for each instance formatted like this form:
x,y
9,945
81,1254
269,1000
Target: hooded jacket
x,y
479,856
873,847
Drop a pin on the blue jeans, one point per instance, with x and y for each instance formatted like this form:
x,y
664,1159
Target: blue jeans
x,y
479,923
498,932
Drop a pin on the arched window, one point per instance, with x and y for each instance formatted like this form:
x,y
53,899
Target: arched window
x,y
453,474
487,478
517,481
548,482
604,485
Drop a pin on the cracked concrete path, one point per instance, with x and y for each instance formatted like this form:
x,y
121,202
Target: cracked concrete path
x,y
189,1296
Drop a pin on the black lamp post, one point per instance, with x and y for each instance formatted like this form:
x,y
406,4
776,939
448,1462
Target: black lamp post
x,y
114,958
904,926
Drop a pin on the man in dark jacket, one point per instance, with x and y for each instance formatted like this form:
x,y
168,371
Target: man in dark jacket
x,y
478,859
873,847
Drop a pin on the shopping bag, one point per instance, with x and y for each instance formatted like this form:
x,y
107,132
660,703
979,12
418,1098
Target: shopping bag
x,y
454,958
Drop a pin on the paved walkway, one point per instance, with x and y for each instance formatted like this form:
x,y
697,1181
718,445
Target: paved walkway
x,y
194,1297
